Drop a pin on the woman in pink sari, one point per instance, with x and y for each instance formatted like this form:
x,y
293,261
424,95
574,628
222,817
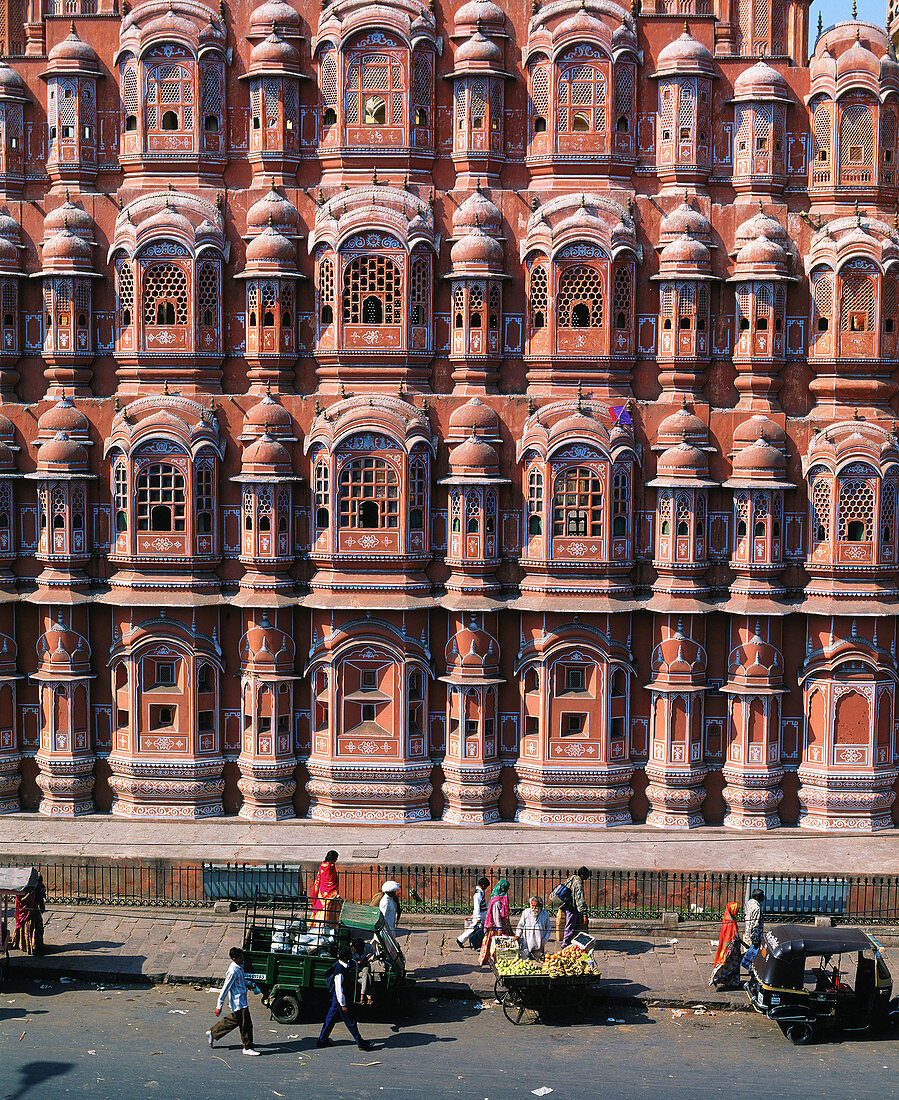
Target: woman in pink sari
x,y
325,896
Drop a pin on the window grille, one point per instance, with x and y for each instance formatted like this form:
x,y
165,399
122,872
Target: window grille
x,y
888,294
130,93
743,130
160,498
580,303
82,297
208,293
478,104
125,274
822,291
291,104
856,304
495,299
322,493
686,107
888,142
459,98
620,500
540,91
120,492
458,304
8,301
624,89
621,302
496,104
420,295
326,287
417,494
856,510
165,295
887,510
368,494
856,137
821,127
169,94
535,501
329,79
212,90
422,82
372,292
744,306
271,98
821,497
286,305
763,301
577,503
476,304
539,295
581,100
374,91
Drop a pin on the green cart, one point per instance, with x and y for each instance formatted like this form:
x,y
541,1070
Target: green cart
x,y
289,951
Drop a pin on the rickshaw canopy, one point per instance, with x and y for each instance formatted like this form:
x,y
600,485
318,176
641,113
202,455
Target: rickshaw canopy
x,y
785,947
17,881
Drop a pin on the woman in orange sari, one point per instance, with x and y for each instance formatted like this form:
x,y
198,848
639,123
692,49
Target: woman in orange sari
x,y
726,971
325,897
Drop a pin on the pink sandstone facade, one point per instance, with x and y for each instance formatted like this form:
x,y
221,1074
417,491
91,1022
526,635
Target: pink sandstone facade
x,y
449,413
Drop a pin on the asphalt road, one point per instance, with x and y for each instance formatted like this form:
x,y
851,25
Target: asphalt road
x,y
60,1039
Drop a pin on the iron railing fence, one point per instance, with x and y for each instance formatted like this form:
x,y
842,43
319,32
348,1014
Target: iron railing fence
x,y
441,889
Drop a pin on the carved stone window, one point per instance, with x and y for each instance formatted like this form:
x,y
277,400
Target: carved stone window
x,y
368,495
577,503
169,98
161,500
580,298
165,295
372,292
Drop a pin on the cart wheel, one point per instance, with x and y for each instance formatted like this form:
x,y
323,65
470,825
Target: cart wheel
x,y
513,1008
800,1034
497,990
285,1008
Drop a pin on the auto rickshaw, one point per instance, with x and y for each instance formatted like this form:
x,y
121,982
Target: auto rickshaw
x,y
15,882
809,979
290,949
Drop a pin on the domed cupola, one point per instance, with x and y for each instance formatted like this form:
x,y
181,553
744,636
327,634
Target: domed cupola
x,y
72,72
685,70
274,76
13,98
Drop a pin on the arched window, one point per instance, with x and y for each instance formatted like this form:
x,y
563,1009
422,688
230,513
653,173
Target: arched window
x,y
208,297
856,145
326,290
821,145
372,292
420,290
120,493
417,495
620,501
581,101
204,499
368,494
375,91
535,501
580,298
622,299
856,510
822,296
821,500
856,303
169,97
322,495
539,97
577,503
328,88
165,295
161,500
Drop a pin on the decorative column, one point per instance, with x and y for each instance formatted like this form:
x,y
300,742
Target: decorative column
x,y
684,353
267,758
72,72
476,285
274,78
676,769
761,101
685,71
65,758
473,518
471,765
752,769
67,272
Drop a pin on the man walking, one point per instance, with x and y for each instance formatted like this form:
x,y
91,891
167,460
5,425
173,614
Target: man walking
x,y
341,981
235,989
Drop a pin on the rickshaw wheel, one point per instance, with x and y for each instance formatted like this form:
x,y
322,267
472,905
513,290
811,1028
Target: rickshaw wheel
x,y
513,1008
800,1034
285,1008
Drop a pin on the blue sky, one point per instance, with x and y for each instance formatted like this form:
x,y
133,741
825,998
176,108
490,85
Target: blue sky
x,y
834,11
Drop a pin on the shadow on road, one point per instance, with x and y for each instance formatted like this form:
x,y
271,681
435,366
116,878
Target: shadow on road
x,y
36,1073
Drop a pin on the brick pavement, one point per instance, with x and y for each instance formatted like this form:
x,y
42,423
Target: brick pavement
x,y
117,945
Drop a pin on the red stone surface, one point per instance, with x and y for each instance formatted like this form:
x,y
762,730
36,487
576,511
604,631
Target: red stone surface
x,y
467,413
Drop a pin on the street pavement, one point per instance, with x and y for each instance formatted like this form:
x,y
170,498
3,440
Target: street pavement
x,y
191,946
638,847
111,1043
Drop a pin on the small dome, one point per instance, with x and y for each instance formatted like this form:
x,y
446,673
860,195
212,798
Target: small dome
x,y
683,460
477,210
11,84
685,220
165,221
759,427
264,644
267,456
685,252
268,418
857,59
286,20
476,247
69,216
479,50
762,82
273,209
761,459
575,423
474,457
272,247
760,225
480,11
762,251
682,426
273,52
62,417
61,452
684,55
72,51
472,652
9,255
7,458
474,418
66,247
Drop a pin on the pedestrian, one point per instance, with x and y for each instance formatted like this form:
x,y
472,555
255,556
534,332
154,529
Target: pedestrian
x,y
28,933
325,891
572,914
726,969
361,960
474,934
496,922
234,989
753,926
389,904
340,981
534,927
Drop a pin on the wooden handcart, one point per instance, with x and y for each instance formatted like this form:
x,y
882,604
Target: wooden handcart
x,y
531,997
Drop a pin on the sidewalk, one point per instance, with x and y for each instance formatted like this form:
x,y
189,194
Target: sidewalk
x,y
639,847
114,945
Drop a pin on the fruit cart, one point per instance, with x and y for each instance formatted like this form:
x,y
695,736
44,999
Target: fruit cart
x,y
552,994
